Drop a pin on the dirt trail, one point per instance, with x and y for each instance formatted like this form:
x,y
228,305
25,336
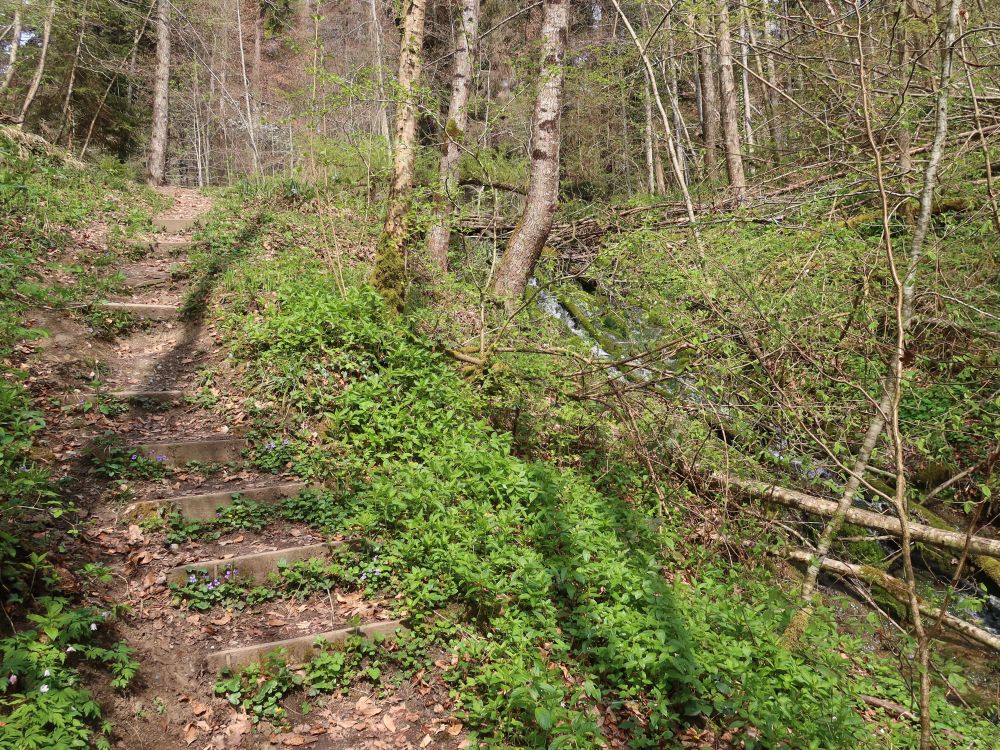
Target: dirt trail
x,y
155,370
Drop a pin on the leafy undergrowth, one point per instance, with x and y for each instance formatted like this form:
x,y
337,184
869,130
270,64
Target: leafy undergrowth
x,y
584,621
48,642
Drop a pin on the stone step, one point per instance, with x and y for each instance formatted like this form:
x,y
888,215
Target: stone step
x,y
297,650
257,566
208,451
175,225
136,399
173,245
153,312
148,282
203,507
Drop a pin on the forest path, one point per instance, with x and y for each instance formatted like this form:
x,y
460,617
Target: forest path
x,y
166,460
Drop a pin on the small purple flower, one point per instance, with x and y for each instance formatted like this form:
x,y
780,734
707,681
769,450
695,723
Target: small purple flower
x,y
364,576
192,579
22,468
135,457
210,586
215,582
12,680
270,446
161,459
285,442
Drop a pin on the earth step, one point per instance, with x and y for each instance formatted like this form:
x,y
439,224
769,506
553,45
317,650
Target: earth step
x,y
202,507
297,649
135,398
154,312
256,566
209,451
175,226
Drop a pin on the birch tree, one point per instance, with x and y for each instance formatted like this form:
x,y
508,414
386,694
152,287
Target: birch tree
x,y
454,131
518,261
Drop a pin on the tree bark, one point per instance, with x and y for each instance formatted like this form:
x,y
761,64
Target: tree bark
x,y
518,262
953,540
709,100
15,47
157,160
730,106
898,590
390,262
454,131
36,80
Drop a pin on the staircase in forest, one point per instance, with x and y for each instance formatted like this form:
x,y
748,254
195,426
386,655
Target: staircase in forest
x,y
154,376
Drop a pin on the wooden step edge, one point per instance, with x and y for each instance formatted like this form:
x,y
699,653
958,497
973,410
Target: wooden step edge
x,y
154,312
180,224
136,398
298,650
256,566
204,506
207,451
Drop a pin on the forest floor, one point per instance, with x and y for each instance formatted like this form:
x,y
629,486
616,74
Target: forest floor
x,y
163,449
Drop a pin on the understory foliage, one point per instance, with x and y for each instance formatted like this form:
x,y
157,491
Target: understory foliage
x,y
583,617
43,198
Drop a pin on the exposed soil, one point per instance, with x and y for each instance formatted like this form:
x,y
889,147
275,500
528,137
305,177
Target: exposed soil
x,y
172,703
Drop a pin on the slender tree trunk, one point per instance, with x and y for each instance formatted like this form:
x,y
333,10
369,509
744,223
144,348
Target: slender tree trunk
x,y
157,161
518,262
650,143
67,101
15,47
383,104
40,67
891,384
730,106
247,97
745,80
390,262
454,131
709,101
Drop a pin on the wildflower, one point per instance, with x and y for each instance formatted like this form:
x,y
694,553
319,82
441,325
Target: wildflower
x,y
70,650
270,445
46,673
192,579
285,442
93,626
43,689
23,468
12,680
161,459
134,457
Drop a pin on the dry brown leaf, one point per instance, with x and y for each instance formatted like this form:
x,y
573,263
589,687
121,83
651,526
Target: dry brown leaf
x,y
198,709
224,620
455,729
389,723
190,734
425,741
366,707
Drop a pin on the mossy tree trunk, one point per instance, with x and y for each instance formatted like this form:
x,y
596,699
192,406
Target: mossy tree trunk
x,y
390,258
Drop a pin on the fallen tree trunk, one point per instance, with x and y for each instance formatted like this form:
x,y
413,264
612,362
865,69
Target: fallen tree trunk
x,y
827,508
897,589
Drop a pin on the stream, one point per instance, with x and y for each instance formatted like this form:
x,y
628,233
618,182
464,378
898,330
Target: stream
x,y
970,602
